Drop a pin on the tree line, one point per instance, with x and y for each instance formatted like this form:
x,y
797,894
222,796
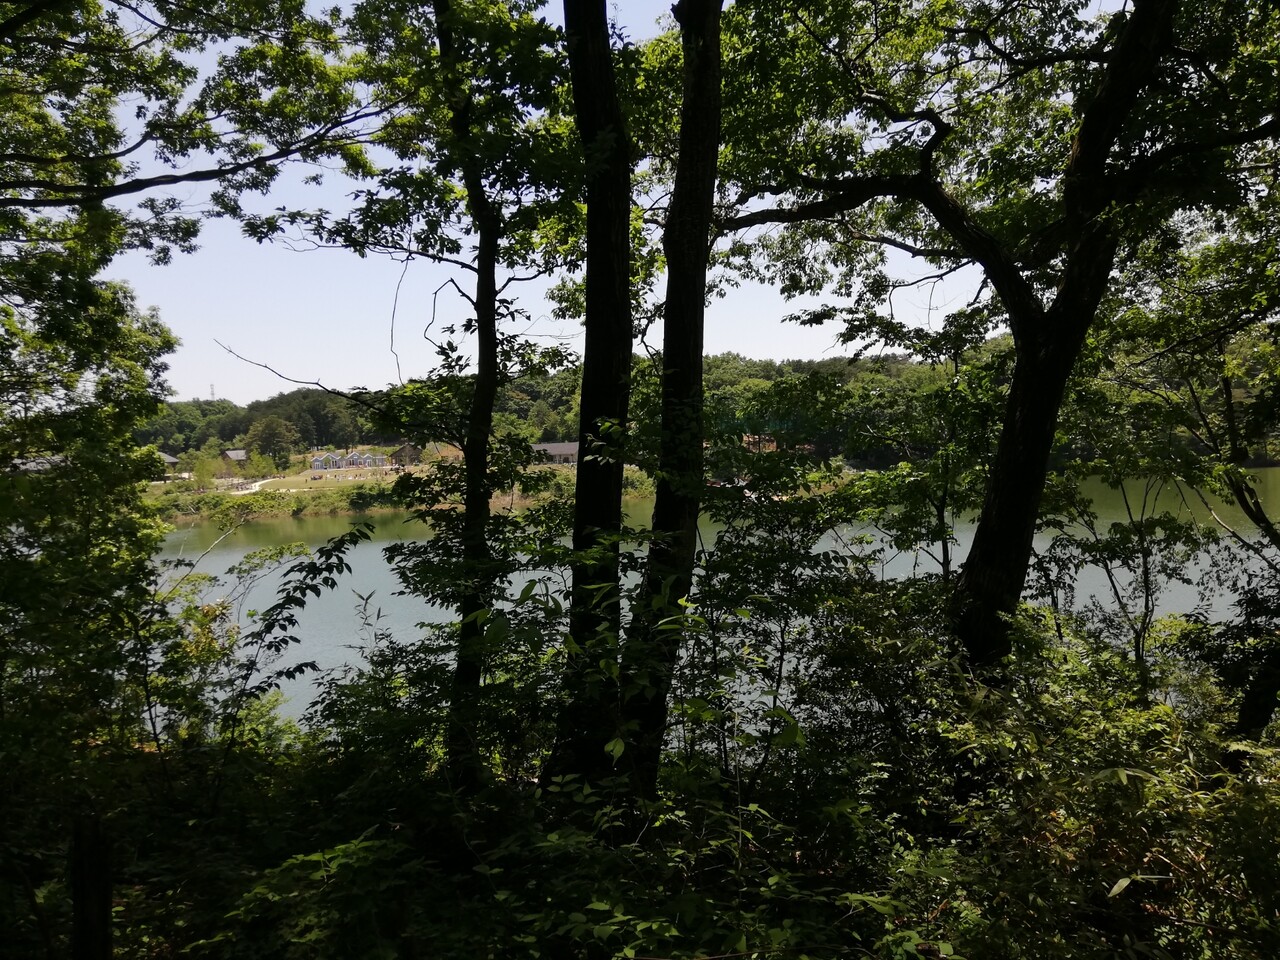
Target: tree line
x,y
310,418
540,406
632,742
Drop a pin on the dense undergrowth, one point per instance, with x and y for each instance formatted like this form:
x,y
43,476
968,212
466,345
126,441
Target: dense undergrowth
x,y
835,785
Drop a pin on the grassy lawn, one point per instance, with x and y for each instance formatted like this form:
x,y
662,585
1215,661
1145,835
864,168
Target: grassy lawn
x,y
329,479
336,479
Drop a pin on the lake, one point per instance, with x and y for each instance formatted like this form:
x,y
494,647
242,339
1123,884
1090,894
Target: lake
x,y
331,627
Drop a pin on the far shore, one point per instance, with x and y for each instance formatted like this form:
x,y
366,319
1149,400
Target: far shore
x,y
312,494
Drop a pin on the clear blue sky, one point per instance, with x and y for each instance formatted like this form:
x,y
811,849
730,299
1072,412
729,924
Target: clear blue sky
x,y
327,315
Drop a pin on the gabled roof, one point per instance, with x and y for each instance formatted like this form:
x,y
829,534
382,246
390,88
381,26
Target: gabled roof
x,y
236,455
565,448
37,464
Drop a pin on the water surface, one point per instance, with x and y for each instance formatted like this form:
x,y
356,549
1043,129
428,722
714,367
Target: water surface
x,y
332,629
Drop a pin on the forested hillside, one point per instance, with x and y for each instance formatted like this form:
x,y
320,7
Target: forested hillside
x,y
313,418
539,406
727,734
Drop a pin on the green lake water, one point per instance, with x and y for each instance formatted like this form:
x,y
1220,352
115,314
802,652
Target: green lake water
x,y
331,627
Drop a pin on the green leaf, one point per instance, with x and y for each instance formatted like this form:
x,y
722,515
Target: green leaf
x,y
790,736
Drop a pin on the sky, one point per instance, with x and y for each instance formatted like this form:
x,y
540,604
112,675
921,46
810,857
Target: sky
x,y
330,317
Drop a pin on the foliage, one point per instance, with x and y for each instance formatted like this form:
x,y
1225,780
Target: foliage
x,y
79,366
274,438
835,781
230,509
300,418
224,94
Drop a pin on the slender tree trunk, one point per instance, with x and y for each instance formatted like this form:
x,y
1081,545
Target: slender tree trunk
x,y
653,646
463,759
588,720
90,880
462,756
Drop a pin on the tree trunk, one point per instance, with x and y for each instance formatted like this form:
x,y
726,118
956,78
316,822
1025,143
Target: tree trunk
x,y
653,646
1048,343
1047,347
588,719
89,867
462,757
1259,699
993,575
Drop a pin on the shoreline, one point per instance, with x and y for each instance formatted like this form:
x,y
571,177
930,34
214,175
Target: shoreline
x,y
360,497
293,502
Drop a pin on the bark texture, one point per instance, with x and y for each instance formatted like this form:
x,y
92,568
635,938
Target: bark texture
x,y
1048,342
89,870
653,646
588,719
461,754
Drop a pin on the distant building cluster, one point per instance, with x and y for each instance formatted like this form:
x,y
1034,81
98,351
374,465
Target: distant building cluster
x,y
407,455
344,461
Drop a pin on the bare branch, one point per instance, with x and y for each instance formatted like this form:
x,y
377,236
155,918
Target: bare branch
x,y
352,397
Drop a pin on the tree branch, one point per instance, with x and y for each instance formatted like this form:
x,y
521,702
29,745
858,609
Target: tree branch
x,y
28,14
74,194
37,160
1138,176
1145,37
846,196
